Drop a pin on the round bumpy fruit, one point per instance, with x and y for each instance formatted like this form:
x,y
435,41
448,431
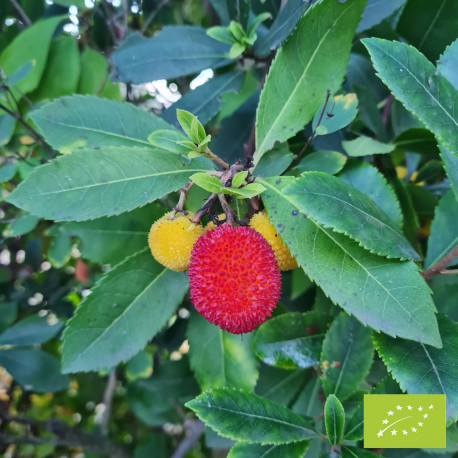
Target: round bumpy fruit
x,y
260,222
234,278
171,239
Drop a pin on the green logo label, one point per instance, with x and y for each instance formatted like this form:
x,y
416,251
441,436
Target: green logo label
x,y
404,421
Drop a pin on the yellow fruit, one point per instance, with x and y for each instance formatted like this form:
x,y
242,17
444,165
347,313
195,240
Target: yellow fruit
x,y
171,239
212,225
260,222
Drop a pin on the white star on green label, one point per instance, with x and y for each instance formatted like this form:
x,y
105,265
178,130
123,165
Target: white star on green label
x,y
404,421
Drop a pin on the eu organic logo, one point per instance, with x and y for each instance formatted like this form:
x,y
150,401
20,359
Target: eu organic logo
x,y
404,421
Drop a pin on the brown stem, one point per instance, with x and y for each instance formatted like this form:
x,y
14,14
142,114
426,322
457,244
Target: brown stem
x,y
213,157
107,401
387,109
194,429
227,209
109,21
183,194
21,12
204,209
29,129
440,265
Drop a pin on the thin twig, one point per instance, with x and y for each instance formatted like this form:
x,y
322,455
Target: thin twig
x,y
107,401
297,156
29,129
125,18
213,157
152,15
387,109
194,429
21,12
206,207
440,265
183,194
227,209
449,272
109,21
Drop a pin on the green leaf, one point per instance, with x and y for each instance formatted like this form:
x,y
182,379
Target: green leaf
x,y
332,203
219,358
347,273
247,417
111,239
236,50
239,10
416,140
256,22
31,330
205,100
127,307
237,31
280,29
8,315
8,171
176,51
170,141
330,162
73,122
24,224
444,236
448,63
312,61
190,124
416,83
366,146
451,167
62,70
239,179
356,452
247,192
274,162
369,111
375,12
19,74
139,366
93,77
428,25
339,112
207,182
31,45
367,179
290,341
86,184
354,428
346,357
280,385
293,450
154,400
34,369
334,419
59,251
421,369
222,34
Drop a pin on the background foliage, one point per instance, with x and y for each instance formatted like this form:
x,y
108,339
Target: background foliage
x,y
348,110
